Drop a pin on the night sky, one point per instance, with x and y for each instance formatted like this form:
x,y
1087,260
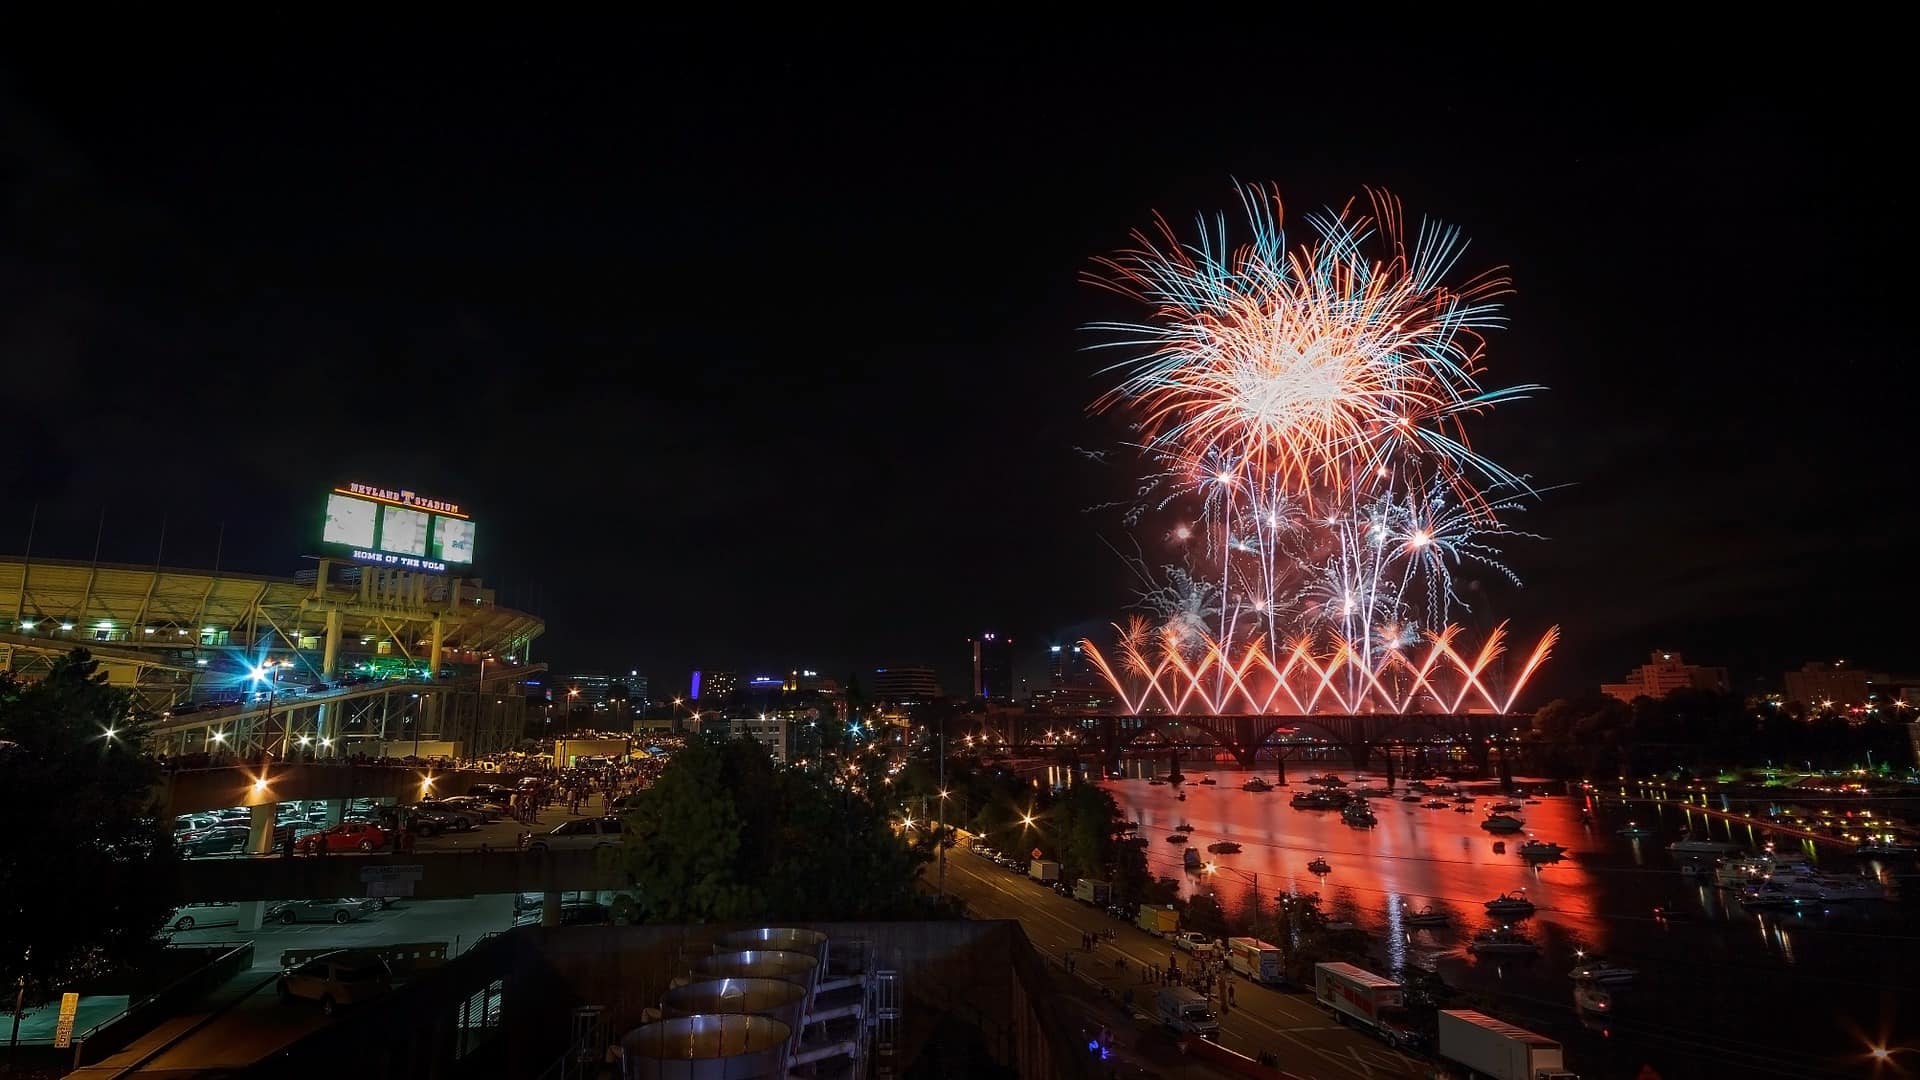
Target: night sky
x,y
760,356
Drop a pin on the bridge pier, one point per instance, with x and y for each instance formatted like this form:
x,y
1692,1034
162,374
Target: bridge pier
x,y
1359,750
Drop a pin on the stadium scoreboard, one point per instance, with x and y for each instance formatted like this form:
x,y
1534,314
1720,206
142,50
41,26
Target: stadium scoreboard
x,y
396,527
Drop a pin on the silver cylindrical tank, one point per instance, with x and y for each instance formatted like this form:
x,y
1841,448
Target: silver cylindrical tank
x,y
796,968
779,938
706,1048
774,998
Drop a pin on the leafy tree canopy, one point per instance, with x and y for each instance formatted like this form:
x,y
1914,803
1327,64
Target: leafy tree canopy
x,y
724,836
87,880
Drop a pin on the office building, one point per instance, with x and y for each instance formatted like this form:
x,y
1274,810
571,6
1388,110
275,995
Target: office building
x,y
1819,682
905,685
1069,666
714,686
992,667
1663,673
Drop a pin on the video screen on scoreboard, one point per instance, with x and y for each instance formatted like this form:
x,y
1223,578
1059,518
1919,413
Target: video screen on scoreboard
x,y
350,521
452,540
403,531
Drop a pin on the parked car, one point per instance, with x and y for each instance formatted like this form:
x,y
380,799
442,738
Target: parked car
x,y
428,818
483,810
337,980
219,840
201,916
346,836
492,793
572,913
343,910
576,835
193,823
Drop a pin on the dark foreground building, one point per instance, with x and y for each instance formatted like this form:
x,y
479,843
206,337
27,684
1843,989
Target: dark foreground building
x,y
951,998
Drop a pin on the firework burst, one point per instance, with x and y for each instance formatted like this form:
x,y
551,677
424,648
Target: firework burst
x,y
1301,412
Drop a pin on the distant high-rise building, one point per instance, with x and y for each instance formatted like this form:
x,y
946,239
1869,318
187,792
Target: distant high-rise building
x,y
715,686
1069,665
905,685
1663,673
637,687
1836,681
992,667
598,688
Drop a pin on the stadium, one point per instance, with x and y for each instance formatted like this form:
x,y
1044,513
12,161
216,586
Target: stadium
x,y
374,651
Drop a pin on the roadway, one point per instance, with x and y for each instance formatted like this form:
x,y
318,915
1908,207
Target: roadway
x,y
1307,1041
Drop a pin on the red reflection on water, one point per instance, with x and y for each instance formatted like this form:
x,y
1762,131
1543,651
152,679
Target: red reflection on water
x,y
1413,858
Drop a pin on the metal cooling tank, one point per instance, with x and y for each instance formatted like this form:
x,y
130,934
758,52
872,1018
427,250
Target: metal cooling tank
x,y
778,938
795,968
706,1047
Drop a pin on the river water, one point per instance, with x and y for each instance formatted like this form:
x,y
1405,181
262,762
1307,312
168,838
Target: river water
x,y
1721,992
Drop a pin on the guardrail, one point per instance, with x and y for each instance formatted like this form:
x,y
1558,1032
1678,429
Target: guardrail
x,y
404,960
116,1031
431,874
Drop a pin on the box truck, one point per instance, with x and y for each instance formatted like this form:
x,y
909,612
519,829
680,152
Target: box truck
x,y
1257,960
1358,996
1498,1049
1158,921
1044,870
1089,891
1186,1012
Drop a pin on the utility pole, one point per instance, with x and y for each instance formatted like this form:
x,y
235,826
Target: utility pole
x,y
940,832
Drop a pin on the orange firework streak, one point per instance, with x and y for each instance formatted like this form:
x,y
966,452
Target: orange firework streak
x,y
1172,684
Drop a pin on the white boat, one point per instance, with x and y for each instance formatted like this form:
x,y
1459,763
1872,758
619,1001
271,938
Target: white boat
x,y
1634,830
1427,917
1357,813
1743,870
1597,970
1503,807
1256,784
1506,906
1591,999
1541,849
1503,940
1829,887
1503,823
1695,845
1436,804
1882,849
1766,894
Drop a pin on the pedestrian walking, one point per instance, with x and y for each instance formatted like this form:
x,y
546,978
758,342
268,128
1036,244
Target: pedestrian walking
x,y
1230,1000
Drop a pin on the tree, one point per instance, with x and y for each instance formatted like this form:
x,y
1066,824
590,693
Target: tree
x,y
81,794
724,835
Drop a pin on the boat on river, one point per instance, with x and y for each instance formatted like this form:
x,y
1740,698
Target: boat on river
x,y
1428,917
1541,849
1319,866
1255,783
1184,827
1223,847
1504,941
1436,804
1358,813
1700,845
1177,838
1882,848
1191,861
1507,906
1595,970
1502,823
1634,830
1505,807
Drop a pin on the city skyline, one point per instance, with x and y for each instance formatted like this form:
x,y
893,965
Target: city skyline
x,y
627,472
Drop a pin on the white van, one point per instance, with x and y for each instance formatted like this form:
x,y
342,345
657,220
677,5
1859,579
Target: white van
x,y
1186,1012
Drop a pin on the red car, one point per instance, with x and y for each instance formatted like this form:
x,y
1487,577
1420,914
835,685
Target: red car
x,y
346,836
